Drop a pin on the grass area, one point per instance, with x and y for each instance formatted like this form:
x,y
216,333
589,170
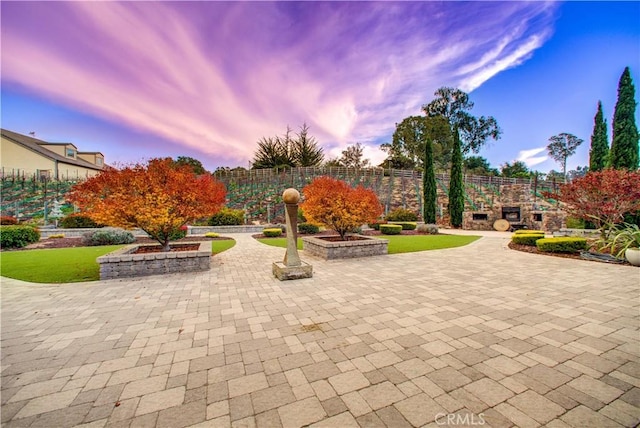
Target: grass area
x,y
402,243
412,243
279,242
56,265
63,265
221,245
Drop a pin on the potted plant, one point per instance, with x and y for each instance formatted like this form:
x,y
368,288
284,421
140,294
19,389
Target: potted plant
x,y
626,241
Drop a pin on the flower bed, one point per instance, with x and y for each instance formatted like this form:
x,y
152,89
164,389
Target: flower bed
x,y
330,248
124,264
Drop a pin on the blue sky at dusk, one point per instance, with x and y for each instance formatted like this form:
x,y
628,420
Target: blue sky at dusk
x,y
137,80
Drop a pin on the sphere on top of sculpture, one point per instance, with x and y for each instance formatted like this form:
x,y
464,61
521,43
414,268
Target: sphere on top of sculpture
x,y
291,196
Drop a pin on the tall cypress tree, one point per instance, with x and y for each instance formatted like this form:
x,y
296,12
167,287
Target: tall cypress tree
x,y
456,185
430,196
599,142
624,147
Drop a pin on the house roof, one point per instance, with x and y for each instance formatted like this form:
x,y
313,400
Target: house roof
x,y
34,145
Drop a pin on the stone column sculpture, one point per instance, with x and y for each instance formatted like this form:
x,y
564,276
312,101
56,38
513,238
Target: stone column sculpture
x,y
292,267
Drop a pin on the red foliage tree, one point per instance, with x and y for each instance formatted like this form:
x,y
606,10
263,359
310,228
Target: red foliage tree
x,y
335,204
602,197
159,198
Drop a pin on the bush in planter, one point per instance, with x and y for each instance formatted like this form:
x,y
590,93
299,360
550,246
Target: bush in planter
x,y
561,245
308,228
227,217
406,225
401,214
526,238
529,232
390,229
272,232
108,236
78,221
14,236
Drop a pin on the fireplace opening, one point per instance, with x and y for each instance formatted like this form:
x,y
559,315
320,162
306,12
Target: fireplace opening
x,y
479,217
511,214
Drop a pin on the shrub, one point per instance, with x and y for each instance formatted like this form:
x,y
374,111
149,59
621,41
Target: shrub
x,y
6,220
401,214
430,229
406,225
272,232
529,232
211,235
390,229
108,236
575,223
227,217
78,221
57,236
308,228
13,236
376,225
561,245
526,238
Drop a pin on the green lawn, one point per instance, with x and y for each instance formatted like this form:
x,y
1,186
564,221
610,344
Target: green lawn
x,y
54,266
402,243
66,264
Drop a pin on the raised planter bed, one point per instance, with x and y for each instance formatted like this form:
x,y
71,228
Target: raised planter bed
x,y
329,248
123,263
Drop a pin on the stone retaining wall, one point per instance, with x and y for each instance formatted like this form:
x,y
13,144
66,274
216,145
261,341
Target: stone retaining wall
x,y
329,250
192,230
122,264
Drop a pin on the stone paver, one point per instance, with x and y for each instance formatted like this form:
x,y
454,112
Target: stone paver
x,y
519,339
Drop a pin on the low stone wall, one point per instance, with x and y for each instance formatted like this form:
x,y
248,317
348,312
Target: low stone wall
x,y
249,228
329,250
583,233
122,264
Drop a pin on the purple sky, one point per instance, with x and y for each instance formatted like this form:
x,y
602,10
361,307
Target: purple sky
x,y
136,80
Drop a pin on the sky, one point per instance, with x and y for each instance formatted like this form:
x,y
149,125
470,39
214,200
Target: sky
x,y
137,80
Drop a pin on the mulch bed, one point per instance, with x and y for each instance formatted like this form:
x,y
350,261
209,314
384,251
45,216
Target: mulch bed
x,y
172,248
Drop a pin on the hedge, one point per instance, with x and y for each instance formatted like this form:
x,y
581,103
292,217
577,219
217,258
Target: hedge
x,y
406,225
529,232
401,214
227,217
376,225
18,236
526,238
78,221
561,245
272,232
308,228
390,229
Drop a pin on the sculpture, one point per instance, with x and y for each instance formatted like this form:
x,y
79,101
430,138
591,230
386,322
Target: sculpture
x,y
292,267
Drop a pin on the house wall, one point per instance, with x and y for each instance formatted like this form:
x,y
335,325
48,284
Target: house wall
x,y
16,159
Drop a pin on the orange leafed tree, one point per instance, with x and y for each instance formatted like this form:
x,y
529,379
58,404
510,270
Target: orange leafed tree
x,y
336,205
159,198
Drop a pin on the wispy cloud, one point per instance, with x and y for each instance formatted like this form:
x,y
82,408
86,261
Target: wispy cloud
x,y
529,156
216,77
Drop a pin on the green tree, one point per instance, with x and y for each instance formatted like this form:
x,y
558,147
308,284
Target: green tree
x,y
272,152
195,164
599,142
625,146
430,193
454,105
406,150
562,146
477,165
456,184
305,150
517,169
353,157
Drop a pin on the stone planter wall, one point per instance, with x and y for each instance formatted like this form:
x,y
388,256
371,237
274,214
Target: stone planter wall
x,y
122,264
329,250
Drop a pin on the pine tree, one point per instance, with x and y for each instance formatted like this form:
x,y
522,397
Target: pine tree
x,y
430,195
625,146
599,142
456,185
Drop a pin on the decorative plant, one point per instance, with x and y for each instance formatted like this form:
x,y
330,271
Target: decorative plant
x,y
624,237
338,206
